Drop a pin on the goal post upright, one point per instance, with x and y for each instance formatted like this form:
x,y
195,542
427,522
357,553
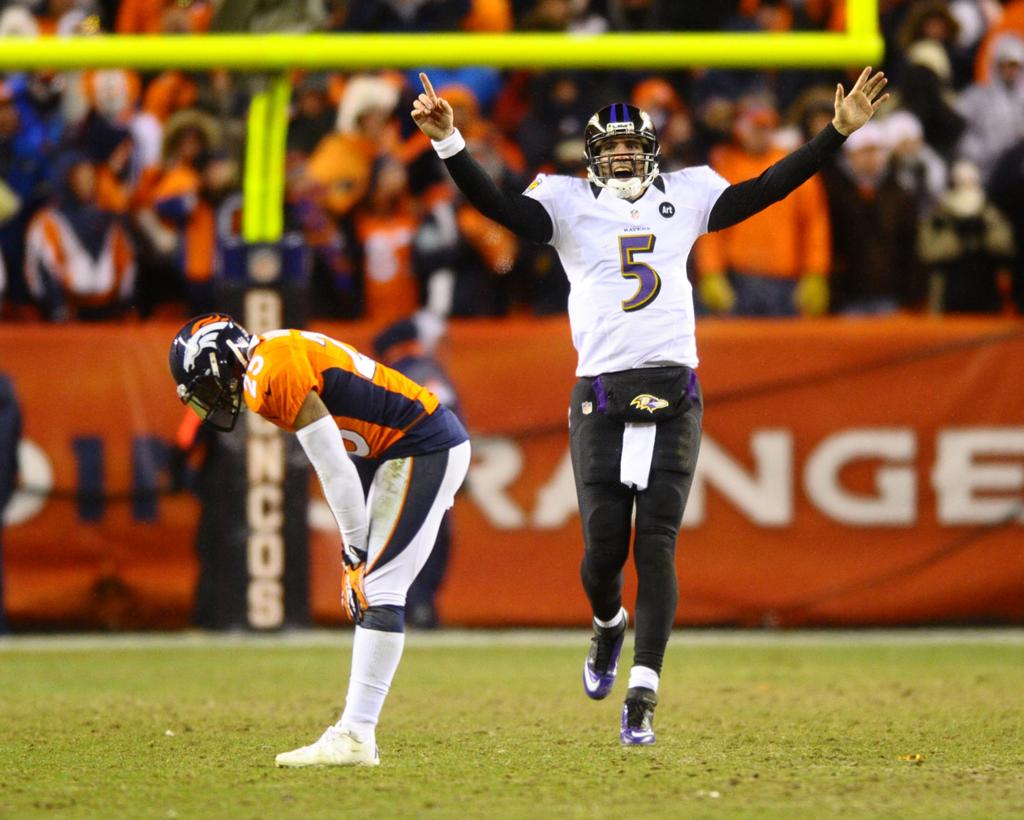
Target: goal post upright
x,y
265,145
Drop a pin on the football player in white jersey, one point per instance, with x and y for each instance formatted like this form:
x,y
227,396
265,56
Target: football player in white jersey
x,y
623,235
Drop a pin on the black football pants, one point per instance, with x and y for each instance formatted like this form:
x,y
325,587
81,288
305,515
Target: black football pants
x,y
606,510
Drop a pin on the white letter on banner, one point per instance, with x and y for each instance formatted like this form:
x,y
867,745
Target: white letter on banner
x,y
265,556
556,500
266,508
766,497
265,459
262,310
266,603
36,482
895,501
497,464
959,479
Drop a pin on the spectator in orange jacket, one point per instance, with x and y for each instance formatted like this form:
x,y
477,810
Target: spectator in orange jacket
x,y
163,17
342,162
1010,19
110,147
188,197
496,247
470,265
385,226
169,93
776,262
488,15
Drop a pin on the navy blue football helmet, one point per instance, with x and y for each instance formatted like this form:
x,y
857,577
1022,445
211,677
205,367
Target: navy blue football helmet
x,y
626,174
208,359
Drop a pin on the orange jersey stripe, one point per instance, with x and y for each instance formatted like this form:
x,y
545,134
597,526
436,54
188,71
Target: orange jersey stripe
x,y
373,405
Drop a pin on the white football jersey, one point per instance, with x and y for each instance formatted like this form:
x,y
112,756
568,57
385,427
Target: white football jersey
x,y
630,303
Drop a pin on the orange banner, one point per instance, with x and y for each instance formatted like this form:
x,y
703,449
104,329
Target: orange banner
x,y
852,472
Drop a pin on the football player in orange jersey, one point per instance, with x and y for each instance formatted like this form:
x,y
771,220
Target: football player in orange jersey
x,y
340,403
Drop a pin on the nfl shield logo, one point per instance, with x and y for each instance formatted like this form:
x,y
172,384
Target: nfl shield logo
x,y
634,215
588,408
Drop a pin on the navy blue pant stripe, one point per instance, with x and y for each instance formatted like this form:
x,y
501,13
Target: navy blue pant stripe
x,y
425,479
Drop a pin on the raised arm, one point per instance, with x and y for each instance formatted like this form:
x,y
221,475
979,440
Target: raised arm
x,y
522,215
744,199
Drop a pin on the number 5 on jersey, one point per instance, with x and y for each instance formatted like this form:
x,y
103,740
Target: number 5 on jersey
x,y
650,282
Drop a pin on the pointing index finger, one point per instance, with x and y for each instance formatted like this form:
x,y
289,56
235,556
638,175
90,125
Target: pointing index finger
x,y
427,86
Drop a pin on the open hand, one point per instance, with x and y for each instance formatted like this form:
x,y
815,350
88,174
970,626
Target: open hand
x,y
857,107
431,113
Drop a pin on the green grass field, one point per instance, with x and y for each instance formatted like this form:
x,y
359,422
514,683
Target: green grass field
x,y
758,726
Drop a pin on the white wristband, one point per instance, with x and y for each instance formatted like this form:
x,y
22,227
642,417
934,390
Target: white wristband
x,y
450,145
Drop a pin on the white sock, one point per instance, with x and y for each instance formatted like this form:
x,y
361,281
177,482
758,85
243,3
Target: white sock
x,y
614,621
375,657
643,676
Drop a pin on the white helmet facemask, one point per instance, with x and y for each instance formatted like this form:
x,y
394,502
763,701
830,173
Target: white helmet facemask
x,y
628,188
625,187
616,122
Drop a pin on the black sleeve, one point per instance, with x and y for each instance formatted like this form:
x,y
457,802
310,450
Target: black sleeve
x,y
744,199
522,215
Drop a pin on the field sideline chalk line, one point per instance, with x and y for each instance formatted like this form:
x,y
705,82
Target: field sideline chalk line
x,y
526,638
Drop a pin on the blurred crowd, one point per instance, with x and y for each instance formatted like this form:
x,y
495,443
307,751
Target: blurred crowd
x,y
119,190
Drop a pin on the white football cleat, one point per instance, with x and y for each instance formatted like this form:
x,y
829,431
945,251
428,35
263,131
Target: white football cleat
x,y
336,747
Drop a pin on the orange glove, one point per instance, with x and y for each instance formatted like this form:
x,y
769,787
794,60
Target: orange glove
x,y
353,593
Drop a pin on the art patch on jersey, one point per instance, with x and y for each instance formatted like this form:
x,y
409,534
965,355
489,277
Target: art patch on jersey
x,y
667,210
645,401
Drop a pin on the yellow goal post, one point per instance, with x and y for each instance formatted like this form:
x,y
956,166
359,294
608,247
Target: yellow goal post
x,y
274,54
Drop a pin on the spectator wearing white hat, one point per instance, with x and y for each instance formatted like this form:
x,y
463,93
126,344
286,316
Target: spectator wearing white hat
x,y
342,162
919,170
968,245
17,21
874,265
994,110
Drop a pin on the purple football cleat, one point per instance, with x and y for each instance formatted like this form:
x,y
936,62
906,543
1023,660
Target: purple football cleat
x,y
638,717
602,662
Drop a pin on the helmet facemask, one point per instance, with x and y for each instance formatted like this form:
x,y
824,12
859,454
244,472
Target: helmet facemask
x,y
208,358
626,172
215,400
